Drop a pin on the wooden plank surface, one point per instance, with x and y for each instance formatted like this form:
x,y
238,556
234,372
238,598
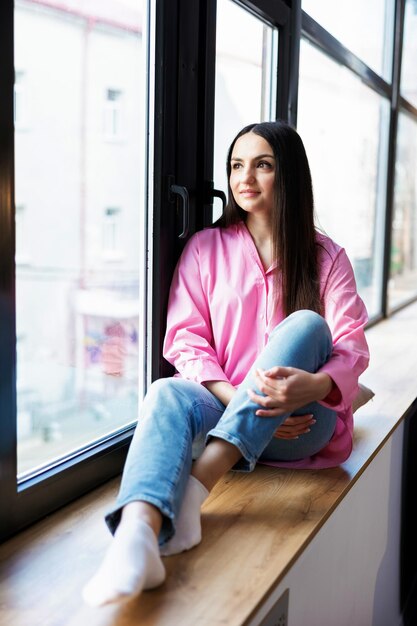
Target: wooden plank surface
x,y
254,526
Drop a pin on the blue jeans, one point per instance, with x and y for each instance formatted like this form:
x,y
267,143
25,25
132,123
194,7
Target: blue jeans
x,y
177,412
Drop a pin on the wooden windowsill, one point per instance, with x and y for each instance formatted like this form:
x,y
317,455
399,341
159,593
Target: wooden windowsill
x,y
254,526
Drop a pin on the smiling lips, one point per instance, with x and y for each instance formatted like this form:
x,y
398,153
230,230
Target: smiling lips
x,y
249,192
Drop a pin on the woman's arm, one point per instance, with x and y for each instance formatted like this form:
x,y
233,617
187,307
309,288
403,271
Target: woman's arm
x,y
188,343
346,316
223,390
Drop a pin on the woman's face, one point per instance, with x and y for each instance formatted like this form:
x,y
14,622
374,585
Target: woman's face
x,y
252,177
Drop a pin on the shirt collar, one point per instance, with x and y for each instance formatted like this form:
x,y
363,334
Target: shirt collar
x,y
243,231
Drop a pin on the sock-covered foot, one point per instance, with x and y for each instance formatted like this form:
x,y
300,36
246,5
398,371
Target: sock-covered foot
x,y
132,564
188,526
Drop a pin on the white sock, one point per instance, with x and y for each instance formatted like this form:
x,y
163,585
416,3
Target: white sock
x,y
188,526
132,564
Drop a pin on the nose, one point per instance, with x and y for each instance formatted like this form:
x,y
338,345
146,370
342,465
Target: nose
x,y
247,174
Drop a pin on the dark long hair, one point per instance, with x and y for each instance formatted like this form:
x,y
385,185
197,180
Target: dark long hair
x,y
292,220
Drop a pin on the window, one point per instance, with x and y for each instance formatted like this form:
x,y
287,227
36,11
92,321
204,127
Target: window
x,y
344,125
408,69
402,286
112,233
365,28
80,350
23,238
238,67
113,114
403,269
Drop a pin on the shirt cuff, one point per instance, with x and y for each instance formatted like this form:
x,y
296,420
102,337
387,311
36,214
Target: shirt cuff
x,y
333,398
345,387
201,370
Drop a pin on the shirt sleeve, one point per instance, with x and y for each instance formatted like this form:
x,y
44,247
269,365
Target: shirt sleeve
x,y
346,315
188,343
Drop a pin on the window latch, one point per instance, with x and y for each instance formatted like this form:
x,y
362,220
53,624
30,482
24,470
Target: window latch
x,y
182,192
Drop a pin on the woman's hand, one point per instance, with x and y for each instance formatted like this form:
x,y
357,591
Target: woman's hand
x,y
287,389
294,426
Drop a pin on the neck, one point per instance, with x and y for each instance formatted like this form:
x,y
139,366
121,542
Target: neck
x,y
260,229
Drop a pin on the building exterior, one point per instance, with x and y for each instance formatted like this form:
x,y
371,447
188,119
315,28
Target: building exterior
x,y
79,104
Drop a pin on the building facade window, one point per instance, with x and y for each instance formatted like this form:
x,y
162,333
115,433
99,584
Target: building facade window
x,y
112,233
20,100
23,239
112,123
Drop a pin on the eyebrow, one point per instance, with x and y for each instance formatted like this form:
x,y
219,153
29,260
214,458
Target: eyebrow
x,y
260,156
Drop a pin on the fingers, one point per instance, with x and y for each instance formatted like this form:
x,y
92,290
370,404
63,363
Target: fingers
x,y
299,421
265,384
263,401
270,412
269,407
273,389
287,436
278,371
295,426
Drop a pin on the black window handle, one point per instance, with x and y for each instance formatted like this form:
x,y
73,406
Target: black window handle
x,y
217,193
211,193
182,192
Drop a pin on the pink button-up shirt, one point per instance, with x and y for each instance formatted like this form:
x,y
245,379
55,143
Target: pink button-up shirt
x,y
221,312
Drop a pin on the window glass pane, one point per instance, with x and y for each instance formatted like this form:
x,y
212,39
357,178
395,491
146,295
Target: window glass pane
x,y
245,78
365,28
403,282
409,58
344,126
80,106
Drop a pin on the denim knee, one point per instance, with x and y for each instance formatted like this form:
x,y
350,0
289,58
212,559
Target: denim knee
x,y
161,387
166,389
306,322
181,399
310,319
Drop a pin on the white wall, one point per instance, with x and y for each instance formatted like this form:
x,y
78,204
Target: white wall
x,y
350,573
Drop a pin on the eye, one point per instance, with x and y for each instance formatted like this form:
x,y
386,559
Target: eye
x,y
236,166
265,165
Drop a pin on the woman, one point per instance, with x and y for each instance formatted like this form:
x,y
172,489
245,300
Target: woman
x,y
266,331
